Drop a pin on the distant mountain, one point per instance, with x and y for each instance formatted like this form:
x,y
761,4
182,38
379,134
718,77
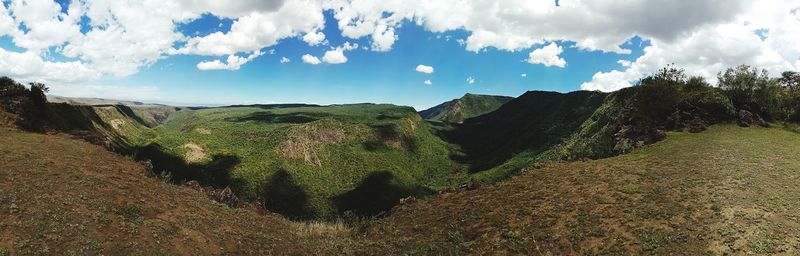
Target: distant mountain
x,y
92,101
469,106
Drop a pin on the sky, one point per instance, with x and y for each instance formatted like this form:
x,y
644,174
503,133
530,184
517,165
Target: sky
x,y
417,53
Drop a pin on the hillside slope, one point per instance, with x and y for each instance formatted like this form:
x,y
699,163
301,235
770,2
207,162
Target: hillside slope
x,y
305,161
728,190
64,196
468,106
529,125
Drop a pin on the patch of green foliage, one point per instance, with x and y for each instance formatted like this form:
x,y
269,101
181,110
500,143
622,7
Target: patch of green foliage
x,y
307,161
528,125
468,106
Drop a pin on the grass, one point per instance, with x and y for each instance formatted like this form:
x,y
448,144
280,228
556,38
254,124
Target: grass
x,y
115,209
678,196
630,188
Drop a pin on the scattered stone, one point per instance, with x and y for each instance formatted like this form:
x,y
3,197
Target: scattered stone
x,y
193,184
745,118
408,200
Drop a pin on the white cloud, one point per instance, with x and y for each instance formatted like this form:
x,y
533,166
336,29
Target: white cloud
x,y
314,38
307,58
285,60
46,25
711,49
523,75
123,37
427,82
336,55
28,66
424,69
470,80
233,62
548,56
261,29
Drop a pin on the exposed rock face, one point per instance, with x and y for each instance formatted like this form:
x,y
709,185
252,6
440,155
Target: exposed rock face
x,y
224,196
630,137
746,119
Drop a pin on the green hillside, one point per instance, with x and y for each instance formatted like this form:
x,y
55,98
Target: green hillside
x,y
468,106
526,126
307,161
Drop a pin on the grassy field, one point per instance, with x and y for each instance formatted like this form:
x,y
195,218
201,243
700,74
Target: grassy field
x,y
308,161
728,190
63,196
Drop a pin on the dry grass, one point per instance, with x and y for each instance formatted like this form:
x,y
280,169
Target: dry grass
x,y
304,141
194,153
728,190
63,196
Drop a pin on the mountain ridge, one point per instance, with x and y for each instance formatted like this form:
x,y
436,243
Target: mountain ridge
x,y
468,106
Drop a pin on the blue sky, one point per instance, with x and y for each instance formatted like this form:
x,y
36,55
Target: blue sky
x,y
369,76
154,51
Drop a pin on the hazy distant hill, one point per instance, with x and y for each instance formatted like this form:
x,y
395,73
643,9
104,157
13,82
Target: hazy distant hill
x,y
468,106
93,101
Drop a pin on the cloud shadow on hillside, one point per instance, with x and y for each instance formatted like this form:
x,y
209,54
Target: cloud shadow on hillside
x,y
215,173
288,118
377,193
282,195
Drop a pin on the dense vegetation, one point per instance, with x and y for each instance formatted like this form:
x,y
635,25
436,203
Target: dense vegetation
x,y
468,106
528,125
306,161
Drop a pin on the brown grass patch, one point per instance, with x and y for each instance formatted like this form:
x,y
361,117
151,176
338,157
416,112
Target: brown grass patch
x,y
117,123
204,131
194,153
305,141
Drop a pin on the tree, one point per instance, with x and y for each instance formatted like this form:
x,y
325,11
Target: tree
x,y
790,79
37,94
740,84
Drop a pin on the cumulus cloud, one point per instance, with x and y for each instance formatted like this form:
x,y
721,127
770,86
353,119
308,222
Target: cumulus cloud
x,y
308,58
708,50
424,69
336,55
122,37
470,80
262,29
29,66
548,56
233,62
285,60
427,82
314,38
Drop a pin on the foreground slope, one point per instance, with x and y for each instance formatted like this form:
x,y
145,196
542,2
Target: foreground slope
x,y
726,190
65,196
468,106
